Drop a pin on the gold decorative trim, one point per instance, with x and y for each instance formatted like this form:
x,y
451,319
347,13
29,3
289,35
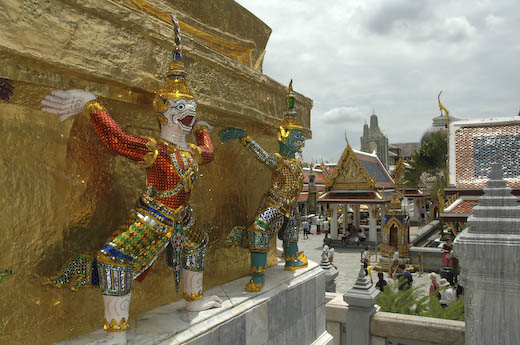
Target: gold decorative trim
x,y
200,128
253,286
245,139
294,268
150,157
350,173
193,296
114,326
91,108
258,270
106,260
73,281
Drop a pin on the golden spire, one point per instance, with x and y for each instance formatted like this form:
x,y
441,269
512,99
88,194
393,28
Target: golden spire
x,y
289,121
175,86
446,112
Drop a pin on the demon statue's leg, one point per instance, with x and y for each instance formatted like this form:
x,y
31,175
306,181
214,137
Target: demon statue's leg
x,y
115,281
193,255
289,234
267,223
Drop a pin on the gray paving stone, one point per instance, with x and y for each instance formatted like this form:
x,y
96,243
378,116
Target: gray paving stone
x,y
347,261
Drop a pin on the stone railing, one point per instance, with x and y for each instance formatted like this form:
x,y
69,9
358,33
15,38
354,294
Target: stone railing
x,y
426,259
393,329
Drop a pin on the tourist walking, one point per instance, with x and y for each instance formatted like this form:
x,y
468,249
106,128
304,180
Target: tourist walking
x,y
395,264
434,285
365,259
446,253
361,236
448,293
306,229
381,282
404,277
326,225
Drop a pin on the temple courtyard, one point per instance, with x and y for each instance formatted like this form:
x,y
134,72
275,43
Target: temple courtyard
x,y
347,261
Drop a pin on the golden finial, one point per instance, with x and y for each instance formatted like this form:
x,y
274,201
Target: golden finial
x,y
446,112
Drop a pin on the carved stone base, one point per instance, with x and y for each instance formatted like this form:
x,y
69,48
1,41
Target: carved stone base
x,y
289,310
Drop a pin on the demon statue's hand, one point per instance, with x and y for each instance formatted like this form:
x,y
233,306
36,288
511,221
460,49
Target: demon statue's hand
x,y
66,103
6,90
231,133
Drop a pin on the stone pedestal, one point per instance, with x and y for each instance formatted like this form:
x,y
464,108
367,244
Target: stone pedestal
x,y
360,299
489,257
330,274
289,310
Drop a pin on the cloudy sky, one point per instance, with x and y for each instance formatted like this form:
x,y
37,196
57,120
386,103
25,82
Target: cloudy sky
x,y
393,56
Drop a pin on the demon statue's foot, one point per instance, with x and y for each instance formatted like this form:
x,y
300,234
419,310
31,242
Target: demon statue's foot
x,y
112,338
258,266
296,262
237,237
204,303
254,286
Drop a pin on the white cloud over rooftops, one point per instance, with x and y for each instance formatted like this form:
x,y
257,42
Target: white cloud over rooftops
x,y
395,56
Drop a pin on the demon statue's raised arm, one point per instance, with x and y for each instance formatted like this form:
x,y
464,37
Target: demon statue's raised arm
x,y
162,216
278,211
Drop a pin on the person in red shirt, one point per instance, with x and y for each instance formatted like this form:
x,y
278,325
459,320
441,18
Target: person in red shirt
x,y
446,253
434,285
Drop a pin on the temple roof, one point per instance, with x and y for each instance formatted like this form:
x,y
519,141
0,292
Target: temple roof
x,y
357,170
373,166
352,197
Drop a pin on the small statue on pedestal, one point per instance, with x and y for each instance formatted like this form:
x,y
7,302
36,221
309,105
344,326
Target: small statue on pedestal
x,y
162,218
278,210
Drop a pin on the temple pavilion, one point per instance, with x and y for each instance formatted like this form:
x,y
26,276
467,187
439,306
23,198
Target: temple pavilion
x,y
359,178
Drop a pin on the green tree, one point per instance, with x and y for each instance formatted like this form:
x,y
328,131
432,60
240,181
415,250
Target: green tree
x,y
429,162
430,158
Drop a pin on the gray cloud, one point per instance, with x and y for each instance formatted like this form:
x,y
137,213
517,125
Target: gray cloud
x,y
348,63
341,115
398,15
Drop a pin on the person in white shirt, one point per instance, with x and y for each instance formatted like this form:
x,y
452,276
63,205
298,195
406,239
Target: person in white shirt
x,y
365,259
325,226
448,293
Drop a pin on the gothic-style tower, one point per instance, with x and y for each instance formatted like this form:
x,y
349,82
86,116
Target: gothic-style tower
x,y
374,140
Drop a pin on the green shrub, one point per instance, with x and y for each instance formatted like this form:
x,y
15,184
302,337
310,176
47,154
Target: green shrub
x,y
413,301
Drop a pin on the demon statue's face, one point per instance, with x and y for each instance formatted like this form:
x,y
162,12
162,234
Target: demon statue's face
x,y
295,141
181,114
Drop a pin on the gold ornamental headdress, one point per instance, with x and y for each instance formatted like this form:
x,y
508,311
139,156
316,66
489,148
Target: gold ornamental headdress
x,y
175,86
289,120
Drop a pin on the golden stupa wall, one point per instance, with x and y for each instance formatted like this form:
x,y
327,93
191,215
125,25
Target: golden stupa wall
x,y
63,192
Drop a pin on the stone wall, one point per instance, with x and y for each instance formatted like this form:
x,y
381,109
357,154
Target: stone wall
x,y
63,192
391,328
